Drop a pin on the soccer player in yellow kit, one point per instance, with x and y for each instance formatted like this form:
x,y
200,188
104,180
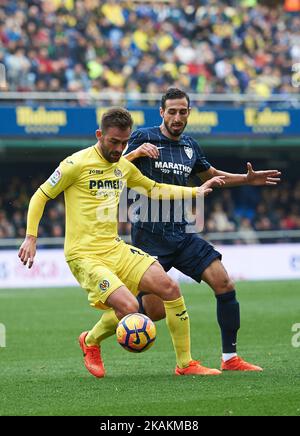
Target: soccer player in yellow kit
x,y
111,271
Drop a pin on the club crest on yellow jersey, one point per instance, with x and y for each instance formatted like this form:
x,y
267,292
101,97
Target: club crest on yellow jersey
x,y
104,285
118,172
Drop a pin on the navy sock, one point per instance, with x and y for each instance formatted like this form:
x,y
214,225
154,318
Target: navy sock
x,y
228,313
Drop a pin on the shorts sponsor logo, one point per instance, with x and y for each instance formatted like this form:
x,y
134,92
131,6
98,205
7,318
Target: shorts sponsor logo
x,y
104,285
55,177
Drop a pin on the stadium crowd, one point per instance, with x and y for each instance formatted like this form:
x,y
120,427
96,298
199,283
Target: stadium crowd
x,y
201,46
243,210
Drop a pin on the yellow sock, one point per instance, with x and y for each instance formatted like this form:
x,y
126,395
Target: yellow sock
x,y
179,325
103,329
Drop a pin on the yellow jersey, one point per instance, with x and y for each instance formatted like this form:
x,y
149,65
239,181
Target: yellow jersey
x,y
92,187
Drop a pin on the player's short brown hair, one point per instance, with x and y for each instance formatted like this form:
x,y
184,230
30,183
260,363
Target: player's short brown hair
x,y
174,94
116,117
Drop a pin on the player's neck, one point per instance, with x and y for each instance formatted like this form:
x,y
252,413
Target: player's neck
x,y
98,148
166,133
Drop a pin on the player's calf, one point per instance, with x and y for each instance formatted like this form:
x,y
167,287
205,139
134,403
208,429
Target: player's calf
x,y
152,306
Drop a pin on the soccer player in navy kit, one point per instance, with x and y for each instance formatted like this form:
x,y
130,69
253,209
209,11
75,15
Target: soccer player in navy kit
x,y
165,154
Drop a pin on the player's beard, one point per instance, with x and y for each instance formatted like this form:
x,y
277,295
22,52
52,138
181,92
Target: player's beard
x,y
113,157
175,133
110,156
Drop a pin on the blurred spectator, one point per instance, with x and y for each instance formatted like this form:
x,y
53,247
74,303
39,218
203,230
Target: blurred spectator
x,y
204,46
219,219
246,232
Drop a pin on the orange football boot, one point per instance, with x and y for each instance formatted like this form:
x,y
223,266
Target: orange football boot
x,y
238,364
195,368
92,357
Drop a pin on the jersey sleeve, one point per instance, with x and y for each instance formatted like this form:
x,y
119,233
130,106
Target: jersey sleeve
x,y
35,211
201,164
64,176
143,185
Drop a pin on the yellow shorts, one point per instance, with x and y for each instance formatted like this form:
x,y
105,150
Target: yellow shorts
x,y
101,276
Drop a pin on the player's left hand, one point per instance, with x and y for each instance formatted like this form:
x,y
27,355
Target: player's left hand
x,y
260,178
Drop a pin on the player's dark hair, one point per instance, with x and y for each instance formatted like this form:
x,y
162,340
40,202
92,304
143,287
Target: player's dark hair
x,y
116,117
174,94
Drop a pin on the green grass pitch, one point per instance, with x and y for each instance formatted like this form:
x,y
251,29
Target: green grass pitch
x,y
42,372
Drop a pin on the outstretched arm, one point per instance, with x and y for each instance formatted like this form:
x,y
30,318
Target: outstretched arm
x,y
178,192
35,212
254,178
150,188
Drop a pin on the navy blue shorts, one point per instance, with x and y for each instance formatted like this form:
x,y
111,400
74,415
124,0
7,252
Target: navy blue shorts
x,y
186,252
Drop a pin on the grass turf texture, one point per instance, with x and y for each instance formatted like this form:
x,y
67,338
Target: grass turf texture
x,y
42,370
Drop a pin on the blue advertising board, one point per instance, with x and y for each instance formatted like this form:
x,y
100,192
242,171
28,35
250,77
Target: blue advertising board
x,y
26,121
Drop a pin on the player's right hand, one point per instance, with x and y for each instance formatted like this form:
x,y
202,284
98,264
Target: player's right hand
x,y
28,250
214,182
147,150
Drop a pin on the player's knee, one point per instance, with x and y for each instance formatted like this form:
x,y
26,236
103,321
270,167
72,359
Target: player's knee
x,y
171,291
224,285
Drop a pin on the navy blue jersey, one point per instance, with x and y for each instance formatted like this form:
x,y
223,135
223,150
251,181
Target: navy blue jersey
x,y
178,160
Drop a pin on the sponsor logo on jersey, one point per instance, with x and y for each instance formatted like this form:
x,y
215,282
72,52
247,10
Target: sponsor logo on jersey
x,y
104,285
55,177
106,184
95,172
189,152
173,166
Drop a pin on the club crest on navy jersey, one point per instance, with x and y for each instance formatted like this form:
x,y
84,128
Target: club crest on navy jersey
x,y
189,152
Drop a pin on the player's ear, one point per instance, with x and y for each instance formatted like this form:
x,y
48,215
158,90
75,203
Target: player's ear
x,y
99,134
161,111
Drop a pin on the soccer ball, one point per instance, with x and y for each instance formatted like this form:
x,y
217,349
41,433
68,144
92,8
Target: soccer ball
x,y
136,332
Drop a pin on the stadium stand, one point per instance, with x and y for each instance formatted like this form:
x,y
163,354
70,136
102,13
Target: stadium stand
x,y
221,47
202,46
243,210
